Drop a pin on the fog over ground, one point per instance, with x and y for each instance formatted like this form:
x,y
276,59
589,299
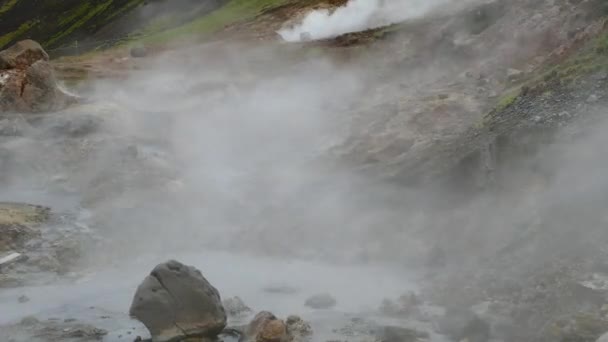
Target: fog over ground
x,y
229,152
230,147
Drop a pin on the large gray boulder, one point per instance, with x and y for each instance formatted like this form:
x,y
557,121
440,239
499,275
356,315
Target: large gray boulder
x,y
176,302
27,81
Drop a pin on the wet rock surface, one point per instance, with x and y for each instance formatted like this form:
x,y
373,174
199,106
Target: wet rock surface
x,y
176,302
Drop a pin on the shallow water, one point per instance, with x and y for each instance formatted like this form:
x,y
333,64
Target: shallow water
x,y
107,293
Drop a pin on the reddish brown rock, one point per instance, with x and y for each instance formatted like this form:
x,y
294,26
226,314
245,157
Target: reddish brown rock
x,y
22,55
27,81
266,327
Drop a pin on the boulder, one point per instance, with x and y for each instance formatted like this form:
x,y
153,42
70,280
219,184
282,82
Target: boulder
x,y
22,55
603,338
176,302
273,331
321,301
266,327
27,81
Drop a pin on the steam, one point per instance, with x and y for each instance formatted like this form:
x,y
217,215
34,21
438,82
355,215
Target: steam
x,y
230,153
356,15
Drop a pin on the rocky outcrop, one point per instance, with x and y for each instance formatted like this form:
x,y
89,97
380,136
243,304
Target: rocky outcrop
x,y
27,81
22,55
176,302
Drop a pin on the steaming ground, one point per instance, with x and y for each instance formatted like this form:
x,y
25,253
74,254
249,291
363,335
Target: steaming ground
x,y
266,164
357,15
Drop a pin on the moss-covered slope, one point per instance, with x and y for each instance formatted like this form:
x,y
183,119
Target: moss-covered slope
x,y
60,24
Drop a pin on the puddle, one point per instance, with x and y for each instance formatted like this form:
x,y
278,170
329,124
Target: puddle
x,y
107,293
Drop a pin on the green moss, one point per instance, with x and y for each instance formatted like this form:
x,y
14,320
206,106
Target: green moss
x,y
90,14
507,100
129,6
233,11
9,37
590,59
74,14
7,6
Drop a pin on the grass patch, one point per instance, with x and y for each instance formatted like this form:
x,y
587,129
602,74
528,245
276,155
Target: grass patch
x,y
129,6
22,214
90,14
7,6
9,37
74,14
592,58
233,11
507,100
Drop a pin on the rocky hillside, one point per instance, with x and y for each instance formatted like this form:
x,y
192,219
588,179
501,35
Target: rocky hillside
x,y
465,144
79,26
